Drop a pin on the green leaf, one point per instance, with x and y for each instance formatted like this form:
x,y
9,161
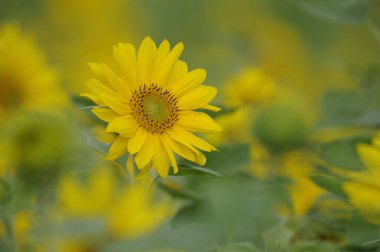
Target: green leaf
x,y
277,238
331,183
360,231
178,192
192,170
347,12
82,227
315,246
238,247
80,102
232,157
344,103
342,153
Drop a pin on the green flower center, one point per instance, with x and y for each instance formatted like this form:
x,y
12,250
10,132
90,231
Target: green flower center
x,y
154,108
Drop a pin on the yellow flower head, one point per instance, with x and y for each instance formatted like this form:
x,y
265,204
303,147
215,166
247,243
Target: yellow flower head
x,y
252,87
150,105
25,79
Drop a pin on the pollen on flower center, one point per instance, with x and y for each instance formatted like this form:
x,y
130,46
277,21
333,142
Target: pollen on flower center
x,y
154,108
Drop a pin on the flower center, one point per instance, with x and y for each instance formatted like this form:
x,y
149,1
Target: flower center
x,y
154,109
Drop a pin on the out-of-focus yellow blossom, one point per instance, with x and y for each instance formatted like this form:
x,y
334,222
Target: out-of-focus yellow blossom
x,y
252,87
25,79
298,166
260,159
128,211
236,127
21,224
363,188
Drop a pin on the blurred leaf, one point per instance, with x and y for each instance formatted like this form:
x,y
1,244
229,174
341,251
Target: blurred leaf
x,y
360,231
80,102
343,103
103,148
238,247
191,237
85,104
178,192
95,144
277,238
331,183
314,246
82,227
232,157
373,243
191,170
342,153
348,12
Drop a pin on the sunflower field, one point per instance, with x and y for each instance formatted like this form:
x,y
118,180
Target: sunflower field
x,y
189,126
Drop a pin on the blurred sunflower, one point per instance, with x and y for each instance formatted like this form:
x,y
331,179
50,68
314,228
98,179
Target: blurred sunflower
x,y
25,79
251,87
129,212
150,106
363,187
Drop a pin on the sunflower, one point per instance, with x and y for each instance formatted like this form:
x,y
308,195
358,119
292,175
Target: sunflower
x,y
26,80
150,105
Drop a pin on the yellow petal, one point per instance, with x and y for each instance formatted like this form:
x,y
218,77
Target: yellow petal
x,y
184,136
170,154
145,59
162,52
196,98
105,114
106,76
137,141
370,156
118,148
197,122
178,148
160,158
108,96
210,107
179,70
126,126
191,80
125,57
144,156
168,64
201,159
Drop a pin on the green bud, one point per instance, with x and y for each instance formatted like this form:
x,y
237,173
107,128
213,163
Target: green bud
x,y
281,127
40,146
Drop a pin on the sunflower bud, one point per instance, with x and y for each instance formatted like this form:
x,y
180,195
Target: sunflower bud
x,y
39,146
281,127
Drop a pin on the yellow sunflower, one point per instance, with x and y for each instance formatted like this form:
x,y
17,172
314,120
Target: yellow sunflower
x,y
151,103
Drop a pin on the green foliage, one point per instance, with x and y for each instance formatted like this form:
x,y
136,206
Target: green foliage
x,y
330,183
348,12
192,170
342,153
229,158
